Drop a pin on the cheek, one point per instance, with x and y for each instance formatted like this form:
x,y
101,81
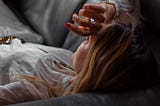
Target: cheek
x,y
79,57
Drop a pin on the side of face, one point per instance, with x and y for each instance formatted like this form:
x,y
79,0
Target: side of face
x,y
80,55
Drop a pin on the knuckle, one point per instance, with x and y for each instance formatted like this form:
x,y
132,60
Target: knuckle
x,y
102,18
86,6
81,12
78,20
73,18
82,22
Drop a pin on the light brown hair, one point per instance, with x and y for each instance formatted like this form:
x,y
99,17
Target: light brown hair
x,y
117,61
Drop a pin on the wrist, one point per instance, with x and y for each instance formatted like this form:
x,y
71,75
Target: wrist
x,y
112,11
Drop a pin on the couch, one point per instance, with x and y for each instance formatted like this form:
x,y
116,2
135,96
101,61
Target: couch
x,y
42,21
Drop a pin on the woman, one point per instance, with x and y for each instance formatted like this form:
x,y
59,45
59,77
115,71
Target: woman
x,y
118,59
112,58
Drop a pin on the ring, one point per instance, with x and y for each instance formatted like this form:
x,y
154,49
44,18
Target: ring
x,y
92,21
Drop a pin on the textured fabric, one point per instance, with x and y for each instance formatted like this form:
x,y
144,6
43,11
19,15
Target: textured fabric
x,y
147,97
128,11
20,61
48,17
10,25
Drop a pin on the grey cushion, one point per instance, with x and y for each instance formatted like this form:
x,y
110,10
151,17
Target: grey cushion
x,y
10,25
72,41
48,17
146,97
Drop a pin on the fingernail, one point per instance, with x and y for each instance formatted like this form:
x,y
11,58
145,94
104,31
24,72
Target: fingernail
x,y
67,24
75,14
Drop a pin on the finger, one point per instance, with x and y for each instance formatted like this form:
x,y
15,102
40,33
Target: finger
x,y
82,31
94,7
90,14
81,21
85,22
78,29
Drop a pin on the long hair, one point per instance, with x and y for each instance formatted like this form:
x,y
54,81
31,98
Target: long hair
x,y
117,61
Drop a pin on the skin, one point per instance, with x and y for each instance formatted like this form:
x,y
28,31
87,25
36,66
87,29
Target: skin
x,y
102,13
114,70
80,54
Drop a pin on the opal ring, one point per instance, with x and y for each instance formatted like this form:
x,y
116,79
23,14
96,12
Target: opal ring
x,y
92,21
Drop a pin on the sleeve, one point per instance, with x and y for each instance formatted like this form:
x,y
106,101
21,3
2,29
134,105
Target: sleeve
x,y
127,11
22,91
12,93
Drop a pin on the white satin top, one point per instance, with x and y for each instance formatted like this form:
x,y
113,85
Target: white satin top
x,y
42,64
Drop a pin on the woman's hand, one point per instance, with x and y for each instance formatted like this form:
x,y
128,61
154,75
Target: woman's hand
x,y
91,18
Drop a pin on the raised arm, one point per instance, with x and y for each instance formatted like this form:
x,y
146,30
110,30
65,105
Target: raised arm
x,y
122,11
127,11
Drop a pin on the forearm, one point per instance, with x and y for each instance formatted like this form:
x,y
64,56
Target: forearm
x,y
127,11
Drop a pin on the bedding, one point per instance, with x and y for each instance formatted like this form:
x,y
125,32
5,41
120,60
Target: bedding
x,y
35,61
